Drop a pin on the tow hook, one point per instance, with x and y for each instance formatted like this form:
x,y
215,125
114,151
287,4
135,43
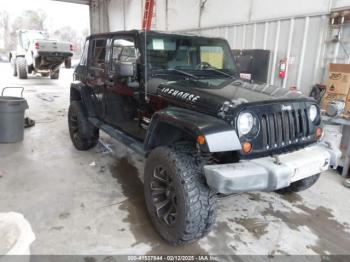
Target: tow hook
x,y
325,165
276,159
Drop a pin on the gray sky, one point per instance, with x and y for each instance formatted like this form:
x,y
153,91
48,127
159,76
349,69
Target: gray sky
x,y
59,13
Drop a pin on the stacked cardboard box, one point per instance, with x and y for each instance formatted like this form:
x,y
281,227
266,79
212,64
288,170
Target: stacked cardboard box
x,y
338,87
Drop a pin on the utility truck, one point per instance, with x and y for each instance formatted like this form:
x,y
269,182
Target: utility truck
x,y
37,53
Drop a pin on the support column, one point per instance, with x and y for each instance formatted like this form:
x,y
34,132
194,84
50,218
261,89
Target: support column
x,y
99,16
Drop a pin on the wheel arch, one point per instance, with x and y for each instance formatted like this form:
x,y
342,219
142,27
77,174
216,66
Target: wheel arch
x,y
178,124
75,92
164,132
15,55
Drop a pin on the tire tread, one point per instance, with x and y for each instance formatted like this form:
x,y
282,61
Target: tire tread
x,y
21,65
200,201
89,134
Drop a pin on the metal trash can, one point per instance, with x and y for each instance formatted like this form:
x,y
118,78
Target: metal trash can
x,y
12,117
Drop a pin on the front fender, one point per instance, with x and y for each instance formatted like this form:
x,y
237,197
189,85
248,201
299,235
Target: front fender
x,y
75,91
19,53
219,135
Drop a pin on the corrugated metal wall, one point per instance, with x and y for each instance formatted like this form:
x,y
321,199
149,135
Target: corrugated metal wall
x,y
293,29
301,40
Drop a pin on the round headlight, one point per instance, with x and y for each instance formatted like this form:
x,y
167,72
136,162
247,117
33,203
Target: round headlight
x,y
313,113
245,123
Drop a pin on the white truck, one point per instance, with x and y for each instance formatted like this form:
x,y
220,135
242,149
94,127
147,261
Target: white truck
x,y
36,53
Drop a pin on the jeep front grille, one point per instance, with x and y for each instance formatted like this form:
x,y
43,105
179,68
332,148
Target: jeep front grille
x,y
283,128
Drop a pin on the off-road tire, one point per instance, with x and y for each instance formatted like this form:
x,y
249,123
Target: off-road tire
x,y
13,66
300,185
83,134
21,65
55,74
195,202
68,63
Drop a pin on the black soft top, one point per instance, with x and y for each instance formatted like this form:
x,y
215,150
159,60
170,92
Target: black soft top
x,y
152,32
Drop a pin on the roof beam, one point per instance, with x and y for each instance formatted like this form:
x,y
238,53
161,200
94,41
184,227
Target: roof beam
x,y
82,2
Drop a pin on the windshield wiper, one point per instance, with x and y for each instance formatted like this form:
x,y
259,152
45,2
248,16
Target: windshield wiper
x,y
218,71
182,72
185,73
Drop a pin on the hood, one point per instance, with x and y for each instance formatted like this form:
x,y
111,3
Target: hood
x,y
237,92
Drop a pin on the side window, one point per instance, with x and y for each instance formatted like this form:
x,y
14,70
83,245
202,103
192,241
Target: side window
x,y
214,55
83,59
98,53
123,50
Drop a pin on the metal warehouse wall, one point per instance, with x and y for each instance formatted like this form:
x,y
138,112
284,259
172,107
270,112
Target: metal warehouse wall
x,y
297,39
293,29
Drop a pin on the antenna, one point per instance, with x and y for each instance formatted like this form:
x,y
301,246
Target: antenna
x,y
146,25
146,67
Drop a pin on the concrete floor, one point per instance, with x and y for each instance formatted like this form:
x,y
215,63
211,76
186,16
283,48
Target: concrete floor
x,y
92,202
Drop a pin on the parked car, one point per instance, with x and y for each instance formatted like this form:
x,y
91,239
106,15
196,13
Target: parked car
x,y
204,132
36,53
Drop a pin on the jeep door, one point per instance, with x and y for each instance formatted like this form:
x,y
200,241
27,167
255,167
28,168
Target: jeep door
x,y
96,75
122,91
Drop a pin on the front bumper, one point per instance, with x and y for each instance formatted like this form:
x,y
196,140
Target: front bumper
x,y
267,173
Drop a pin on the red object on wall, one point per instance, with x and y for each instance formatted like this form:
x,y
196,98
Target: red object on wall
x,y
147,15
282,68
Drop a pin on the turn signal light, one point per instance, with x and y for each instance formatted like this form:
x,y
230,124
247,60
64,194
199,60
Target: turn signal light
x,y
247,147
201,140
71,47
318,132
37,46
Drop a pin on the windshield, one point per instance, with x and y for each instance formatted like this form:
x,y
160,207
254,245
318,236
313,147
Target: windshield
x,y
199,56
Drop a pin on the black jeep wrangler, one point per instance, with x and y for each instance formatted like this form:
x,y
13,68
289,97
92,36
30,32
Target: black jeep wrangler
x,y
205,132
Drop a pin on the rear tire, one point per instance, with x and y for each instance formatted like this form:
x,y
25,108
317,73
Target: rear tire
x,y
181,206
300,185
68,63
83,134
21,65
55,74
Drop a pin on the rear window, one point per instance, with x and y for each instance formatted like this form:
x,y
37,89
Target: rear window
x,y
98,53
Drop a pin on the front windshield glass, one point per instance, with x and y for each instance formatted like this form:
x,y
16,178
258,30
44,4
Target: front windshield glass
x,y
199,57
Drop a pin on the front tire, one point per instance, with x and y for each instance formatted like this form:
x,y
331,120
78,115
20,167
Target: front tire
x,y
21,65
83,134
300,185
180,204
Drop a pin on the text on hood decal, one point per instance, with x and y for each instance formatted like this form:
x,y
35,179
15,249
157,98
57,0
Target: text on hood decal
x,y
179,94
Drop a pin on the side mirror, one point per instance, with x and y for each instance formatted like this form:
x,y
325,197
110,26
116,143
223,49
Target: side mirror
x,y
125,69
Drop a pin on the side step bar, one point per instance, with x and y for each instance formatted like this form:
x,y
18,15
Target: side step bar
x,y
128,141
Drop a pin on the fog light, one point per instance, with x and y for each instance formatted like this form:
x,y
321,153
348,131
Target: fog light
x,y
318,132
246,147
